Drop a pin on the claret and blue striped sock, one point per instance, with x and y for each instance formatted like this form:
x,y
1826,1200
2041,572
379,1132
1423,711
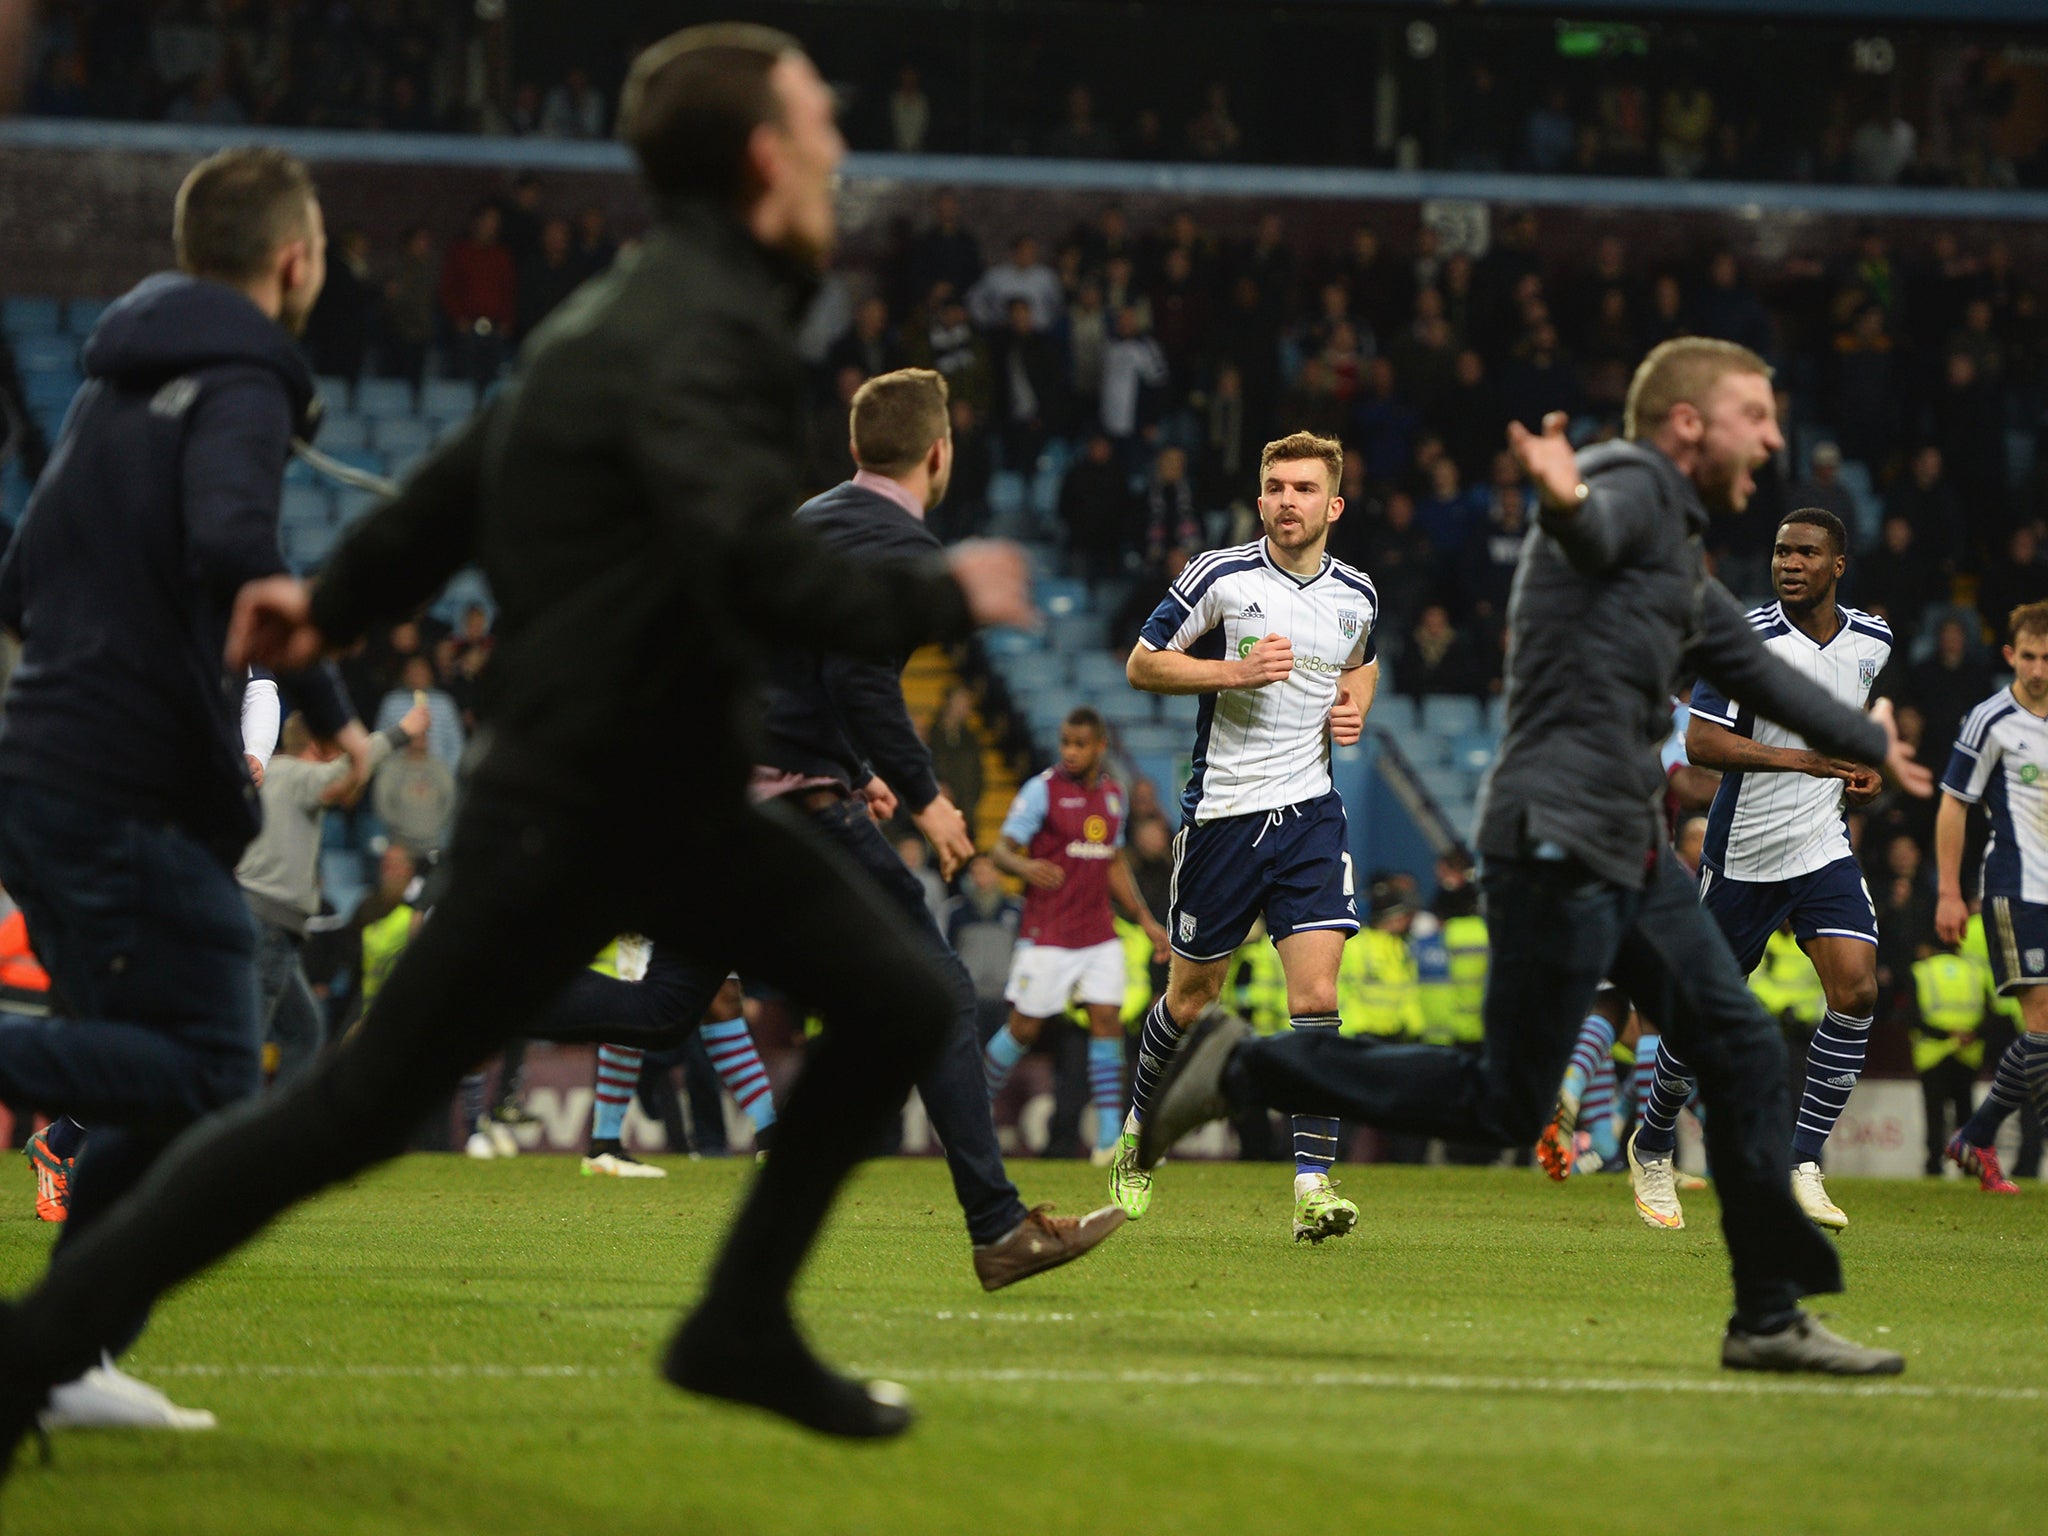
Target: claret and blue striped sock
x,y
1106,1087
730,1045
1000,1057
618,1070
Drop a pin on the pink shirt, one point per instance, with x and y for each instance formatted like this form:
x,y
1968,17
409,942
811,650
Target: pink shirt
x,y
882,485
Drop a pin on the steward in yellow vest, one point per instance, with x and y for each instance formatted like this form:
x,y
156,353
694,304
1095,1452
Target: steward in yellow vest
x,y
1379,991
1258,982
1786,982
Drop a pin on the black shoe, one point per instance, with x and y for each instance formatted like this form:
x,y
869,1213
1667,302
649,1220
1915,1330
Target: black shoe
x,y
771,1367
1191,1093
1806,1346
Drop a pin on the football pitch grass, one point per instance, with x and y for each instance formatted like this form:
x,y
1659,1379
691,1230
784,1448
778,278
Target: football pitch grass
x,y
455,1346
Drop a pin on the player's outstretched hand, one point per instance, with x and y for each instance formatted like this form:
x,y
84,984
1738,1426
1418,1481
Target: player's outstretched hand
x,y
1347,722
355,742
1267,662
255,768
880,797
1549,459
1914,778
272,626
995,578
946,830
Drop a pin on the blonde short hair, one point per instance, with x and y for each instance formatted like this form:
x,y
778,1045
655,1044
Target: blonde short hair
x,y
896,417
1685,368
2028,619
1305,445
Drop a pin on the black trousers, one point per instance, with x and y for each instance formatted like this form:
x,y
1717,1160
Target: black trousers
x,y
667,1005
1945,1090
535,889
1556,931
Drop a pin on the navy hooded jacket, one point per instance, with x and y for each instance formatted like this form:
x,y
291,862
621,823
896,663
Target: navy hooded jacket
x,y
159,502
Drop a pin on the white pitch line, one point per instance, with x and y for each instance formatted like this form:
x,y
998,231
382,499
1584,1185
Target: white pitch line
x,y
1382,1381
1705,1386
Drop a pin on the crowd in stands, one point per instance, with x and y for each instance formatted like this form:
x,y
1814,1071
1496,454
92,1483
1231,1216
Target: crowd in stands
x,y
1818,105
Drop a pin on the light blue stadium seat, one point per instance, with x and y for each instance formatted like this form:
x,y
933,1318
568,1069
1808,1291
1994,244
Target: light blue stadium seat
x,y
1059,596
1856,481
1078,632
1153,740
81,315
2019,455
1394,712
306,505
1452,714
1168,773
1472,752
1036,672
1126,708
342,431
335,391
1005,494
448,399
1180,709
1011,642
30,317
400,434
1099,672
384,397
307,544
1497,713
1428,750
49,391
369,460
47,353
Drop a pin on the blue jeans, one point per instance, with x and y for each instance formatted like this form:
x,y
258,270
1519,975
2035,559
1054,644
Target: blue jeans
x,y
286,1007
150,949
1556,930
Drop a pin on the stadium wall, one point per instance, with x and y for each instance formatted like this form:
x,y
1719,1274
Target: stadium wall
x,y
84,206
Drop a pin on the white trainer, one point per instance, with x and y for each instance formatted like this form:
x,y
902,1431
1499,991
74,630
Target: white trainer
x,y
621,1166
1812,1195
106,1397
503,1142
480,1146
1656,1197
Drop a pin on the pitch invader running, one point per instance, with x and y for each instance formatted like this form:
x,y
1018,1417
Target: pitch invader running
x,y
1064,838
1277,638
1777,849
2001,759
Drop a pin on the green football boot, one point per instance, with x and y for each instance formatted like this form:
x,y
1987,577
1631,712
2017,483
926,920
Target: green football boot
x,y
1319,1211
1130,1187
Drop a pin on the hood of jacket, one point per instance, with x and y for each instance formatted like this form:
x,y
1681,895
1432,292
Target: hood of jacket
x,y
172,324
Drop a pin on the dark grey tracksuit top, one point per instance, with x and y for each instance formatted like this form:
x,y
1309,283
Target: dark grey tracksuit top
x,y
1610,603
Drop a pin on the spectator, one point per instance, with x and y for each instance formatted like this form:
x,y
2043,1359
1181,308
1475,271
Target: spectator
x,y
1450,511
956,751
831,456
595,247
1486,569
868,344
1969,423
1312,404
1440,659
1947,686
1471,419
1384,424
910,848
1024,276
1080,136
1925,500
1233,439
1881,148
548,276
1729,308
1403,564
1146,596
1539,379
445,737
207,103
1425,355
1865,404
946,251
1685,123
1030,389
1821,486
1477,130
1180,311
575,109
337,334
1213,133
949,343
2021,577
1549,133
1133,371
479,293
981,928
1905,915
1897,579
910,113
1098,510
523,215
964,512
1172,518
1087,335
413,794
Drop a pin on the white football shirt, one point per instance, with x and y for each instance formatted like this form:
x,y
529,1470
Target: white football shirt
x,y
1257,749
2001,758
1774,826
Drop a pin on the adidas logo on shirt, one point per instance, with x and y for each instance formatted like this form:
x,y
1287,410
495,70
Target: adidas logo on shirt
x,y
1252,611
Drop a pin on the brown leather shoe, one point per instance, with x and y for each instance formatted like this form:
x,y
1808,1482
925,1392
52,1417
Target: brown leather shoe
x,y
1042,1241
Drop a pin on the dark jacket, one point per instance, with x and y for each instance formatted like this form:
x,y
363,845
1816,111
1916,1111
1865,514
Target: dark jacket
x,y
628,495
159,503
1610,603
843,717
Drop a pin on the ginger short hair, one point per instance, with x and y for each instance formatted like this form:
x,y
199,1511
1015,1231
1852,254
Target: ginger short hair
x,y
1683,369
2028,619
1305,445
